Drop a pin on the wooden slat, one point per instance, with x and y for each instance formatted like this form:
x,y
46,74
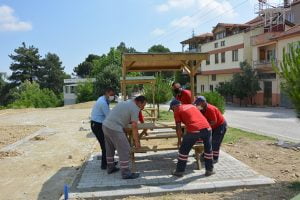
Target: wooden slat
x,y
164,57
159,137
145,149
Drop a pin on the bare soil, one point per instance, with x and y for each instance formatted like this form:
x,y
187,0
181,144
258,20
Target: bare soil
x,y
264,157
39,168
12,133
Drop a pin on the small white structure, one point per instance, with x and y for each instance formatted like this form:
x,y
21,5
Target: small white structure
x,y
70,89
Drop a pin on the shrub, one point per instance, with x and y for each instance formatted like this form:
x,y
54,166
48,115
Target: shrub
x,y
162,92
215,99
109,77
289,71
30,95
85,92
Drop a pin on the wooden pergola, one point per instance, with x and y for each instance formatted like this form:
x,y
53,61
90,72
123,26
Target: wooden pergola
x,y
157,62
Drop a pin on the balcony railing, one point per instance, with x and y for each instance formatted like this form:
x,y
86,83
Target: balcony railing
x,y
264,63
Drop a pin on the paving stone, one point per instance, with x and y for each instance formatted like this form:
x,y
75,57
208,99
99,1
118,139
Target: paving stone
x,y
155,177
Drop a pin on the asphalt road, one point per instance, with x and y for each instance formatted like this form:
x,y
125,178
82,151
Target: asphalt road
x,y
277,122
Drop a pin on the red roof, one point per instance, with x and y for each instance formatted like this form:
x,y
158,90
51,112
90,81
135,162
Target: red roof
x,y
292,31
198,38
226,25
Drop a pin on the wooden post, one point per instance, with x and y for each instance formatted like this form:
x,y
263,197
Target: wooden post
x,y
123,90
192,80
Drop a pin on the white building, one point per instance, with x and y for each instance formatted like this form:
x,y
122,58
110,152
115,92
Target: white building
x,y
70,89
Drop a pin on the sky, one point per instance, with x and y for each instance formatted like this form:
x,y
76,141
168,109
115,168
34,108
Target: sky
x,y
75,28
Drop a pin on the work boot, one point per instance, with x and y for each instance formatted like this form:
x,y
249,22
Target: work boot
x,y
176,173
215,161
112,170
131,176
209,172
103,166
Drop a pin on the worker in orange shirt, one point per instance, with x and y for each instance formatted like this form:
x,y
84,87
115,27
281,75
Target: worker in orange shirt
x,y
182,95
197,127
216,121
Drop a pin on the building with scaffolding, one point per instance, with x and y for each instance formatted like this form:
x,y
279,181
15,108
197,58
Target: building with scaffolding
x,y
258,41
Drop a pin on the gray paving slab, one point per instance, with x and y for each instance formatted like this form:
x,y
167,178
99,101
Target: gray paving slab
x,y
155,177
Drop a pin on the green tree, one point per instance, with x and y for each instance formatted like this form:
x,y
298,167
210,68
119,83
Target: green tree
x,y
238,87
30,95
181,78
289,71
251,80
215,99
123,49
85,68
226,90
109,77
162,90
85,92
245,84
52,73
113,57
25,65
160,49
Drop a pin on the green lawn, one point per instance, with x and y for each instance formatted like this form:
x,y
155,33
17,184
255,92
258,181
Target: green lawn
x,y
166,116
233,135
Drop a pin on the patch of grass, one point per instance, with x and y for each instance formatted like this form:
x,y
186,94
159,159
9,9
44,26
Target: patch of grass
x,y
233,135
295,186
166,116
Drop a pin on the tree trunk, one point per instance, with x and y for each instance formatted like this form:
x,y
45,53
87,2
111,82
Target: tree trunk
x,y
158,115
240,102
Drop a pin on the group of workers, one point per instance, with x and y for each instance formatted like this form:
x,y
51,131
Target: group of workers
x,y
202,121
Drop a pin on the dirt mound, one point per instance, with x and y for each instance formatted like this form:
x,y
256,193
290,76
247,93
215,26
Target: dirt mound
x,y
4,154
12,133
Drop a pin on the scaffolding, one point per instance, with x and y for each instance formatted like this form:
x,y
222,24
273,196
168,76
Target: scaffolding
x,y
273,14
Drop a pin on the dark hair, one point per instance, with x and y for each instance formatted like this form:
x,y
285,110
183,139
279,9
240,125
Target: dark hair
x,y
174,83
141,99
108,89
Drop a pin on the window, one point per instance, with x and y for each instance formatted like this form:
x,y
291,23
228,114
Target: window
x,y
220,35
66,89
236,31
208,61
202,88
216,45
222,43
72,89
222,57
213,77
216,58
267,76
199,48
290,17
211,88
270,55
235,54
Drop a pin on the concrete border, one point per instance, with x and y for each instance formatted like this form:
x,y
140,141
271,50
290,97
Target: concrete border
x,y
12,146
175,188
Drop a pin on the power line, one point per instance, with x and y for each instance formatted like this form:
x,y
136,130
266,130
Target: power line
x,y
178,28
238,5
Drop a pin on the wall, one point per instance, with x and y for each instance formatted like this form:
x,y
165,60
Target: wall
x,y
284,44
230,41
206,80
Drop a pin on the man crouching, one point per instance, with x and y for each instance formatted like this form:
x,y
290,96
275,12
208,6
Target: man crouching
x,y
197,128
